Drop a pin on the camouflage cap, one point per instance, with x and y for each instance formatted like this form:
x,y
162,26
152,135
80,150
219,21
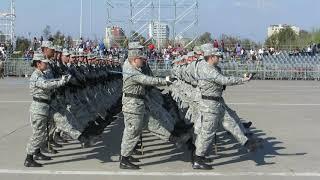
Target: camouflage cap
x,y
177,59
58,48
40,57
190,54
65,52
196,49
210,51
136,53
73,54
81,54
217,52
135,45
91,56
48,44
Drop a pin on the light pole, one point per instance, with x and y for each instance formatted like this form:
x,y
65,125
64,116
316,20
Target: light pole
x,y
159,19
81,4
90,17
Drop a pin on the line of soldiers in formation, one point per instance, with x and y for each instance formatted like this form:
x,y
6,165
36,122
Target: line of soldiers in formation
x,y
78,96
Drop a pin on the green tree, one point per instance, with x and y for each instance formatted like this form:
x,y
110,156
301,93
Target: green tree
x,y
46,32
315,36
22,44
135,36
229,41
204,38
58,38
284,38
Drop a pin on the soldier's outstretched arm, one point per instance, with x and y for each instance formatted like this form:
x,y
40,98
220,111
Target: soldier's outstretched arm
x,y
148,80
47,84
219,78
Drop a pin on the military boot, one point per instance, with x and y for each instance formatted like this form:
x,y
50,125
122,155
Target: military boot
x,y
131,159
253,144
125,163
247,125
49,150
199,163
30,162
58,137
179,140
84,140
55,144
39,156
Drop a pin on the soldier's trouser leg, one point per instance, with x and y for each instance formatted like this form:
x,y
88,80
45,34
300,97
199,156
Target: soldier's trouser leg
x,y
132,131
39,132
209,123
161,117
156,128
231,125
64,125
233,114
52,126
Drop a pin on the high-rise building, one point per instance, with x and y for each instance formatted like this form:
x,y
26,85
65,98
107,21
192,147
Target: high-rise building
x,y
276,28
159,32
114,36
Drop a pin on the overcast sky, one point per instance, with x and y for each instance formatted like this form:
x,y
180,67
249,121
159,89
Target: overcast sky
x,y
243,18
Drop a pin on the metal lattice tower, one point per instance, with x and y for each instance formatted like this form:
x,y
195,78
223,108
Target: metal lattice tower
x,y
181,16
7,25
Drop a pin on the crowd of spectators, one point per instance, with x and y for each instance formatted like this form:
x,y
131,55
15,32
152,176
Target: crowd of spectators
x,y
167,54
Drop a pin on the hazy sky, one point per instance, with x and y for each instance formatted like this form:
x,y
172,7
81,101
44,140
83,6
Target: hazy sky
x,y
243,18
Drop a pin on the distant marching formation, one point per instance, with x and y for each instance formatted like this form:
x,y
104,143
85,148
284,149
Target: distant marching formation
x,y
76,96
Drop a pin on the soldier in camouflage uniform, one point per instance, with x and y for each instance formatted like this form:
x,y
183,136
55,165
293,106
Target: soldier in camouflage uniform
x,y
48,50
40,88
134,83
212,105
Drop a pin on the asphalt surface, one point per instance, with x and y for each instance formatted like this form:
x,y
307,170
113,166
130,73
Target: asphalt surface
x,y
284,113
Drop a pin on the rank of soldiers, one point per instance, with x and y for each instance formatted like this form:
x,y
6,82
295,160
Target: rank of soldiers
x,y
76,96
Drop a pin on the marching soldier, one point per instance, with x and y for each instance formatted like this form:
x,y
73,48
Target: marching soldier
x,y
212,105
40,88
134,83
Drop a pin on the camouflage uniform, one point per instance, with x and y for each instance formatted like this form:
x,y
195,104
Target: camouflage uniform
x,y
212,105
40,89
134,82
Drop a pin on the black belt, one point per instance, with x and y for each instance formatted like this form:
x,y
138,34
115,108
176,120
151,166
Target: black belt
x,y
134,95
194,86
212,98
41,100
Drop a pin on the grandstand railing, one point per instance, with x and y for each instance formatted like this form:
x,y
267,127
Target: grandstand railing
x,y
264,71
17,67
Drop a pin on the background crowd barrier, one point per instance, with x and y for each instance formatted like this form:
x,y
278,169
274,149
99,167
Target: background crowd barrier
x,y
280,67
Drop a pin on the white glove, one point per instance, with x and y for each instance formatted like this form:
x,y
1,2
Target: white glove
x,y
66,78
170,79
247,78
167,78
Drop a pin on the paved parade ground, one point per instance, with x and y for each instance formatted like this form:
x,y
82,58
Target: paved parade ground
x,y
286,114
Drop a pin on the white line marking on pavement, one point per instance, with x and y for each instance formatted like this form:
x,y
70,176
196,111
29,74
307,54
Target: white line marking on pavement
x,y
273,104
240,103
15,101
136,173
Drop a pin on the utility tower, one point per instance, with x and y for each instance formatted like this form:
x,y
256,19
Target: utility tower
x,y
179,17
7,25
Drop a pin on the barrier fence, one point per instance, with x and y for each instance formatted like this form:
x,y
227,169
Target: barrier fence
x,y
264,71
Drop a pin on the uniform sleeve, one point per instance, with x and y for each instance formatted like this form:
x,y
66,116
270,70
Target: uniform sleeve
x,y
148,80
45,84
219,78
